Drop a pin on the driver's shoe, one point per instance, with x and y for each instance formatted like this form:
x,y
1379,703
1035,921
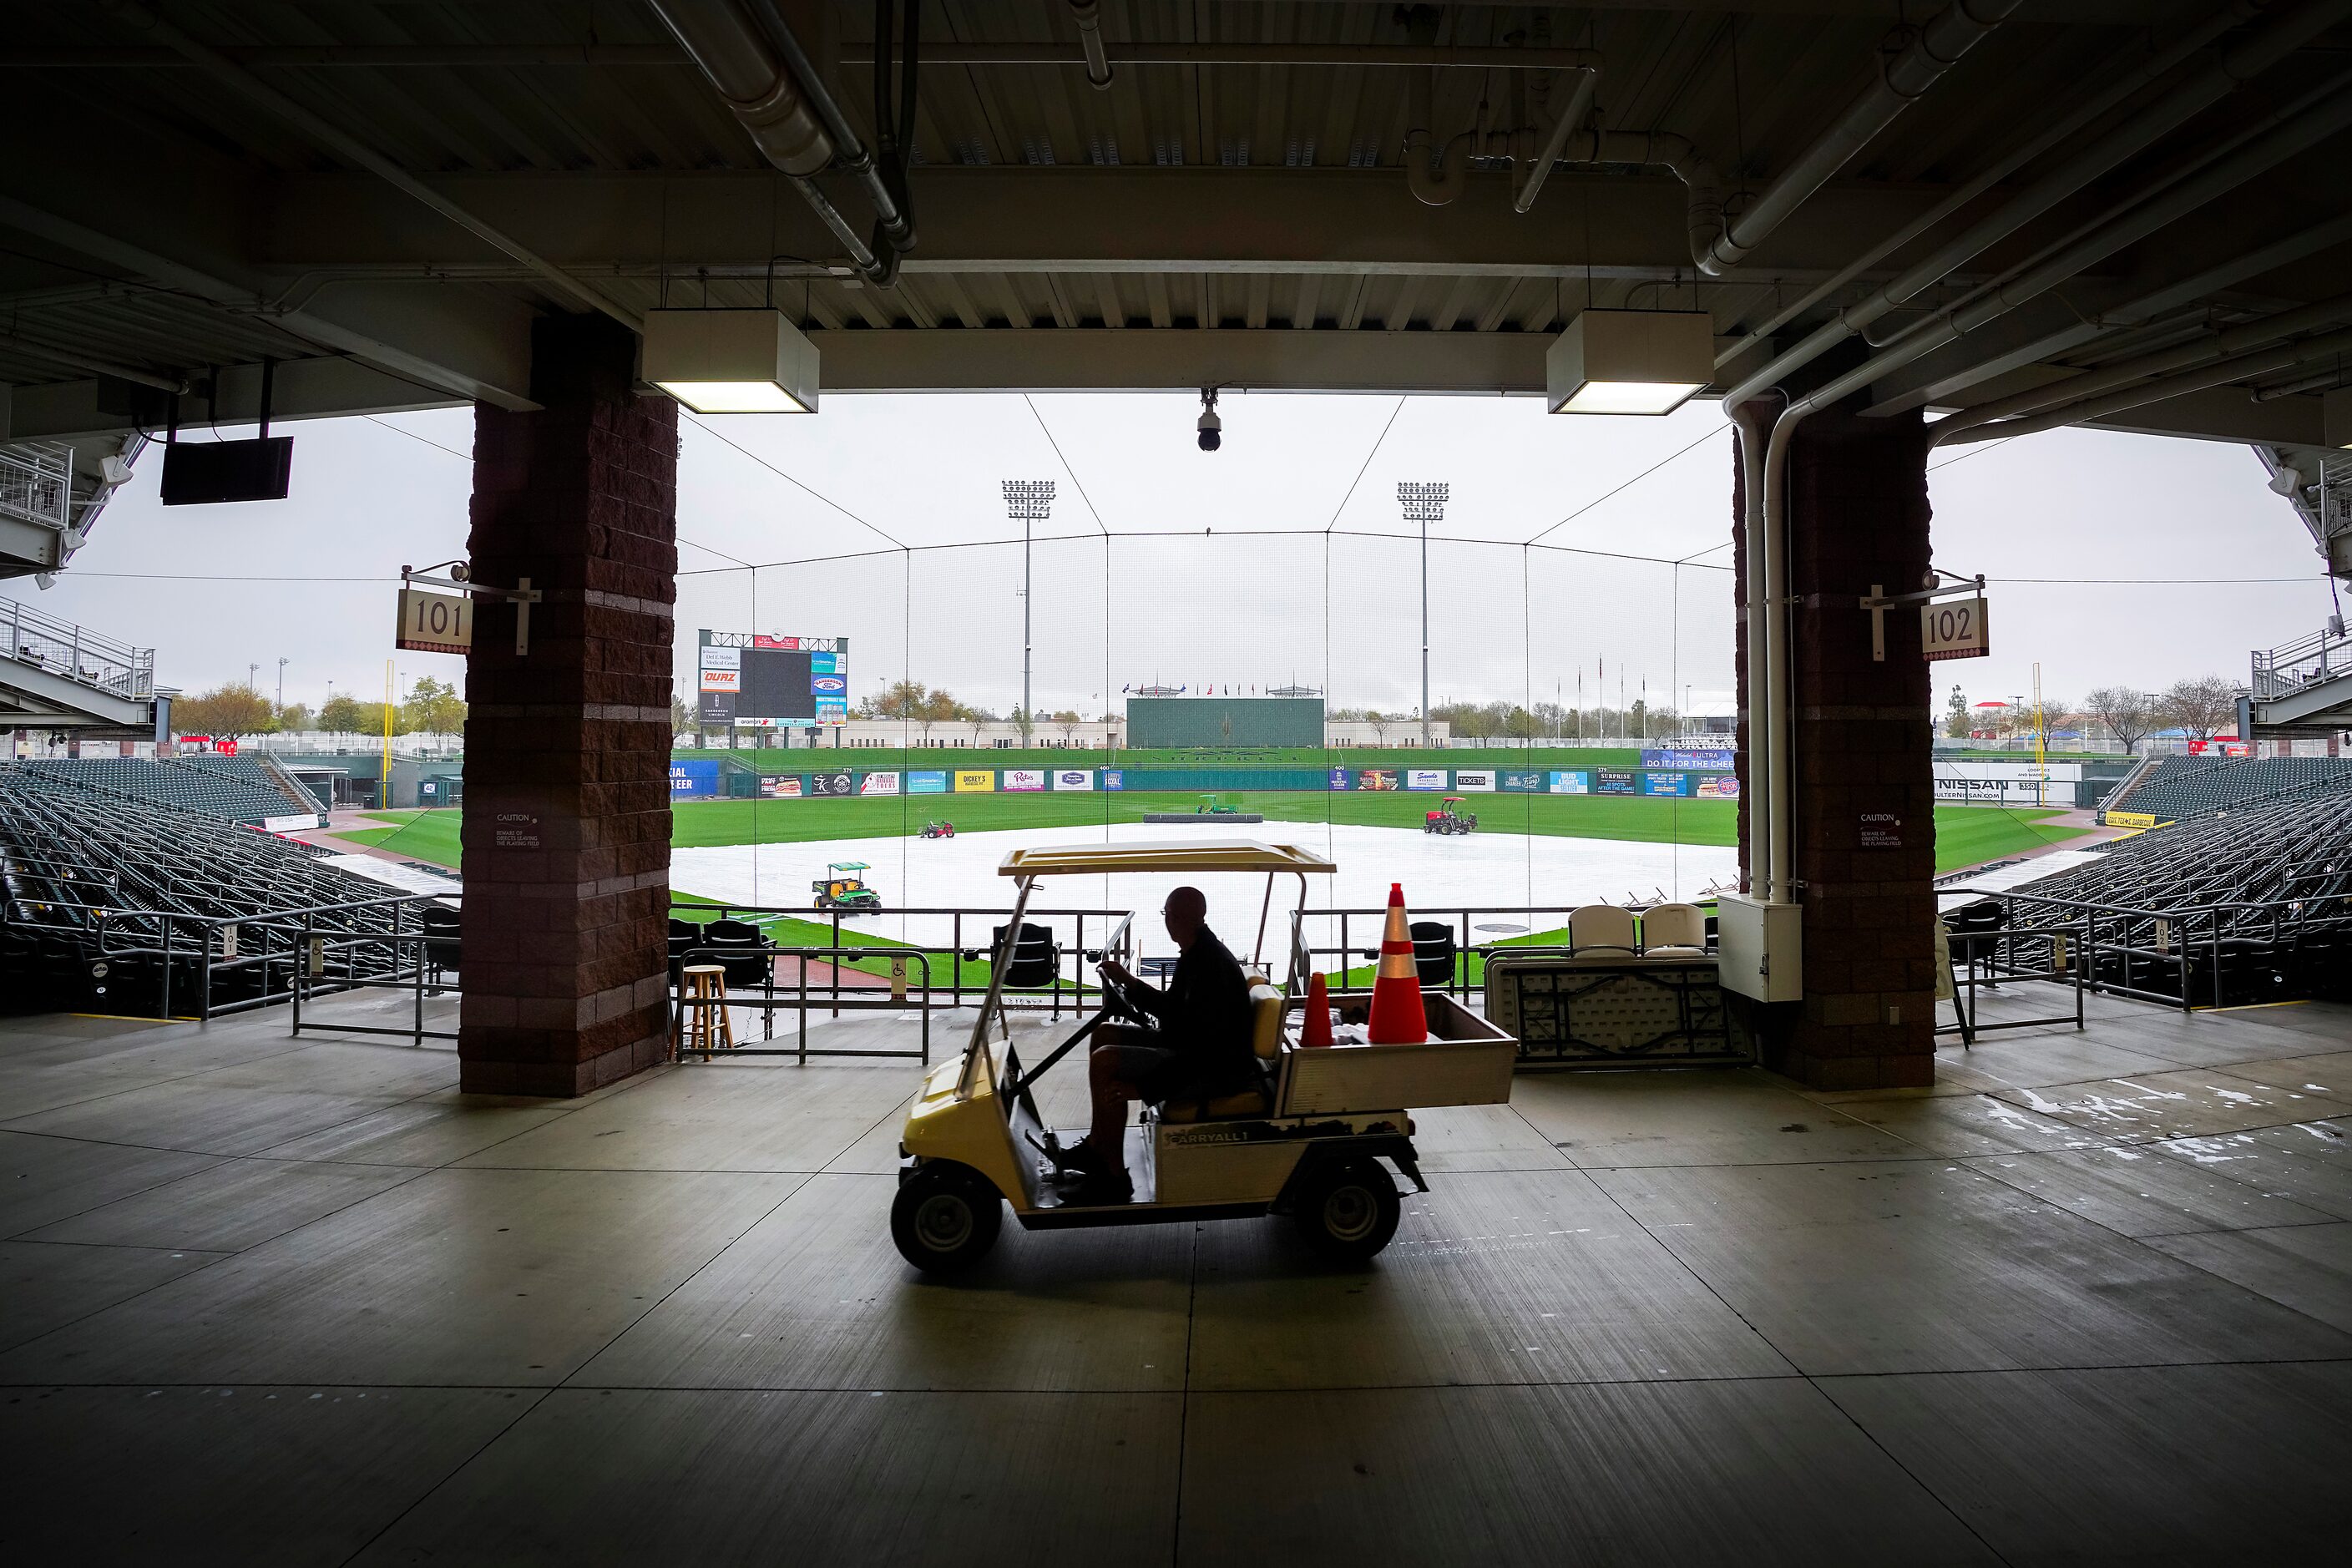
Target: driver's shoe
x,y
1098,1187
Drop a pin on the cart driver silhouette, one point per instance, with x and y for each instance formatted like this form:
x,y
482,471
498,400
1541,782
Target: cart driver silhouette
x,y
1197,1045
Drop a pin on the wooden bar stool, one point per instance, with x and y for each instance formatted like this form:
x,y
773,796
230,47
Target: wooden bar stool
x,y
707,1026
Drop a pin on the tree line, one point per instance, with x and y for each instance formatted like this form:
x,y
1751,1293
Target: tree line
x,y
239,709
2201,707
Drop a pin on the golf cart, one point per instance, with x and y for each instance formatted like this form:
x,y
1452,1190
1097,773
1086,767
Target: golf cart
x,y
840,888
941,829
1308,1141
1449,817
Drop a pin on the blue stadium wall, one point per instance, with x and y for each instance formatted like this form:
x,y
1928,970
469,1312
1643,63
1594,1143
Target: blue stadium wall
x,y
1206,721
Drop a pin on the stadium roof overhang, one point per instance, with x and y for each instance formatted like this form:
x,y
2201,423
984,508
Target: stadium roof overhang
x,y
381,199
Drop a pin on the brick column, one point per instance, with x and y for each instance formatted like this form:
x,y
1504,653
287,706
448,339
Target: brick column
x,y
567,749
1862,783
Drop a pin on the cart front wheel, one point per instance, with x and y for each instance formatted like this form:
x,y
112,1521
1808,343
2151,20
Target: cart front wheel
x,y
945,1217
1348,1212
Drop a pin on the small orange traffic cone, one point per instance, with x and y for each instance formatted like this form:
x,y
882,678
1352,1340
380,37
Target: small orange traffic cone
x,y
1397,1017
1315,1029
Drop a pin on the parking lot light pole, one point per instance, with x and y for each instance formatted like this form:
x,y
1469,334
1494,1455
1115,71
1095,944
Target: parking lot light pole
x,y
1424,504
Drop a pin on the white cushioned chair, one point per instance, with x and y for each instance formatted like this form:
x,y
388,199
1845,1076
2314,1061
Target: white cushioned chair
x,y
1674,930
1601,930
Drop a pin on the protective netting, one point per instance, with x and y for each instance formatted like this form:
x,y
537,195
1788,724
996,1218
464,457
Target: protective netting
x,y
1564,639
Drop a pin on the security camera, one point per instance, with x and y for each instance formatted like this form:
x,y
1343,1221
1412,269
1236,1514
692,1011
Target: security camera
x,y
1211,429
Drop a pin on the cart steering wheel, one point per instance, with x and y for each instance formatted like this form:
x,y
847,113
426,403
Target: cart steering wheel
x,y
1120,999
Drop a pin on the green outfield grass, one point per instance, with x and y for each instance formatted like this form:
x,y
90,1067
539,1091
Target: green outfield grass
x,y
1965,834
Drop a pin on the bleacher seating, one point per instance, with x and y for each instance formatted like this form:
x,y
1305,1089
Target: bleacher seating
x,y
103,892
212,786
2181,788
2249,901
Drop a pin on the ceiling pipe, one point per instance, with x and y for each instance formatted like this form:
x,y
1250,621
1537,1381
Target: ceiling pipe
x,y
1087,15
366,157
2265,362
1702,186
2091,383
2325,381
797,129
1178,54
1935,50
1435,175
2124,81
1572,117
2270,43
395,57
2130,226
2133,314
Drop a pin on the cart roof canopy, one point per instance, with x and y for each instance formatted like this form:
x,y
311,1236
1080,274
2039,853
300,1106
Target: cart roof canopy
x,y
1184,855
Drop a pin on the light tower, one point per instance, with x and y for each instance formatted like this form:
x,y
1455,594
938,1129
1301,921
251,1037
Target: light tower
x,y
1423,504
1029,502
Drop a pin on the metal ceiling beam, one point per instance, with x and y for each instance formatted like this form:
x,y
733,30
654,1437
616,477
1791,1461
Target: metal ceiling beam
x,y
1033,219
302,389
861,53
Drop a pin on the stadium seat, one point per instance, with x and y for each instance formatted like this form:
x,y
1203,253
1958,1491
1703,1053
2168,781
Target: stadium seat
x,y
744,951
1036,958
1433,952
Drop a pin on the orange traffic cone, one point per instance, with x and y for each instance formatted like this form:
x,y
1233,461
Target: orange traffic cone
x,y
1397,1018
1315,1029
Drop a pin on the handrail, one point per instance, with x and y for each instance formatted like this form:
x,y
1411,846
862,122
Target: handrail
x,y
74,653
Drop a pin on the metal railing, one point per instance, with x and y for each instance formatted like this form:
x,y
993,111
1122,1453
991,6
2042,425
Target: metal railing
x,y
77,653
1985,958
896,998
37,482
2184,957
1112,928
2324,655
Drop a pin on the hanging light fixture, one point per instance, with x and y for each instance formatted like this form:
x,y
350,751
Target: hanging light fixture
x,y
1629,362
732,362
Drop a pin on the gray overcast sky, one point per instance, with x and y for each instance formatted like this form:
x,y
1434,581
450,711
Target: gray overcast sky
x,y
1224,593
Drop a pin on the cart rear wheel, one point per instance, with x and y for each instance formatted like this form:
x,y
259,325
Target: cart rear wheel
x,y
1348,1212
945,1217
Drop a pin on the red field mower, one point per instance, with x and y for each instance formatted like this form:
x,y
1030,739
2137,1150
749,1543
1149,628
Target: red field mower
x,y
938,830
1447,819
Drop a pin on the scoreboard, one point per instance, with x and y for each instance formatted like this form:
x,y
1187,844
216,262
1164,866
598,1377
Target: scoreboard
x,y
751,680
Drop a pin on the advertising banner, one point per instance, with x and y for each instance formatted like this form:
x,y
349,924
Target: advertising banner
x,y
1700,762
1113,779
1520,782
2128,818
743,723
1023,778
721,679
786,787
721,657
832,710
825,664
1474,780
975,780
1719,787
1375,778
877,783
693,778
1613,781
824,686
1675,783
1073,778
1573,782
1338,779
836,783
1424,778
921,783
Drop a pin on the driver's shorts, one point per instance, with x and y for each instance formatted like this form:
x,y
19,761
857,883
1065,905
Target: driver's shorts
x,y
1158,1072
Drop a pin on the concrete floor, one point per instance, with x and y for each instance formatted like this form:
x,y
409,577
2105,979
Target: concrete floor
x,y
270,1301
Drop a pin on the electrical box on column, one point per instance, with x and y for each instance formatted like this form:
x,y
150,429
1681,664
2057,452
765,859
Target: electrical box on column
x,y
1759,948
